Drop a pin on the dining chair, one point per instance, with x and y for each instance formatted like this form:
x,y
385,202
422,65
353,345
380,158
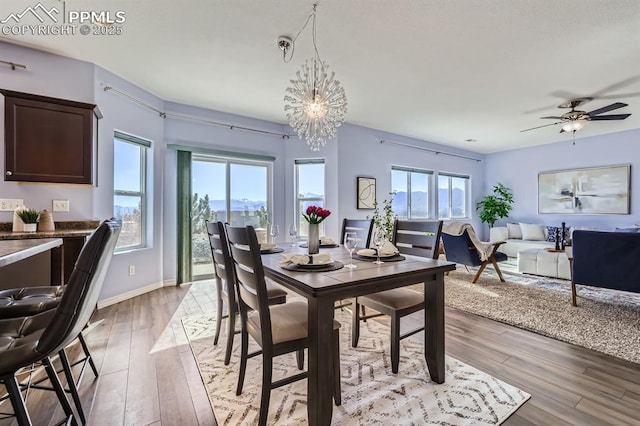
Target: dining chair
x,y
362,228
461,245
277,329
225,285
418,238
36,338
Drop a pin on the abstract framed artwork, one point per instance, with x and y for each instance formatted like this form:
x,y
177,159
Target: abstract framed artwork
x,y
366,192
595,190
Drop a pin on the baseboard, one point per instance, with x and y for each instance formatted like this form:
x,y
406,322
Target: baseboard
x,y
133,293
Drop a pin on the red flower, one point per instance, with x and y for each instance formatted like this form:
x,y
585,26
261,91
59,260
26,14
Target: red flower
x,y
315,214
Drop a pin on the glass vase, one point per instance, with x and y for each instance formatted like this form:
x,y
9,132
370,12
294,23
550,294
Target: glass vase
x,y
314,238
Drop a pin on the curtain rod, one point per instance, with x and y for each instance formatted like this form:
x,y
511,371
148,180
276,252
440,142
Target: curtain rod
x,y
13,65
194,119
437,152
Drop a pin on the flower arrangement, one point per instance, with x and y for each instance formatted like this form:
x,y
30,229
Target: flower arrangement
x,y
315,214
28,215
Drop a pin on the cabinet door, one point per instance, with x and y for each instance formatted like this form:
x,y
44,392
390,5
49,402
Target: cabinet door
x,y
47,141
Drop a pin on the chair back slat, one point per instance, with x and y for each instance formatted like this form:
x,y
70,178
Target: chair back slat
x,y
249,275
363,229
418,237
222,263
83,289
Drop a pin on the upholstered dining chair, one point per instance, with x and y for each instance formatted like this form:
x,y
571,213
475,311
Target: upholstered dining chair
x,y
35,338
225,285
277,329
418,238
362,228
461,245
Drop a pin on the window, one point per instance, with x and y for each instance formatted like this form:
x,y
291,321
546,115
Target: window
x,y
453,195
229,190
412,189
129,189
309,190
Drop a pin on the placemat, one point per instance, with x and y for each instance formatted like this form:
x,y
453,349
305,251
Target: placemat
x,y
394,258
272,251
334,266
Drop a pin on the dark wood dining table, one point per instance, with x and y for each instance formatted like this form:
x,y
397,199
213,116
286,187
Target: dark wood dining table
x,y
322,289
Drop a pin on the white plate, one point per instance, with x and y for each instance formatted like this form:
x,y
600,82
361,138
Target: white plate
x,y
372,253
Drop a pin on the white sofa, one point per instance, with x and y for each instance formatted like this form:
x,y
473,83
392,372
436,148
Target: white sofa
x,y
515,245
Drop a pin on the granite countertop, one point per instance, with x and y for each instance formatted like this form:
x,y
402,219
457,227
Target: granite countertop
x,y
63,229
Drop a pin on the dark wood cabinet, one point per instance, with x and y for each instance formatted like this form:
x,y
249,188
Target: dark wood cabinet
x,y
49,139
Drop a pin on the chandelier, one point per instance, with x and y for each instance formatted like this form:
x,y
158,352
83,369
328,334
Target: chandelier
x,y
315,103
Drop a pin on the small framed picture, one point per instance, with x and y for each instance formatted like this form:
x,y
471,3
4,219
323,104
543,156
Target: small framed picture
x,y
366,192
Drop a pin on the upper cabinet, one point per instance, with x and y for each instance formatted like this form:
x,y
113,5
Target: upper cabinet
x,y
49,139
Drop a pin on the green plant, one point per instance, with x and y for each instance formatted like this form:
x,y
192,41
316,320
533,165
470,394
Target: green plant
x,y
28,215
493,207
384,220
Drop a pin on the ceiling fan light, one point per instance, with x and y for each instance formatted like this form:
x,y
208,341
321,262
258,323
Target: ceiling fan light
x,y
573,126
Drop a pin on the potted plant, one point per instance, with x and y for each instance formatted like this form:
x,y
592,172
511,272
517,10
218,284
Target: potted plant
x,y
30,219
315,215
495,206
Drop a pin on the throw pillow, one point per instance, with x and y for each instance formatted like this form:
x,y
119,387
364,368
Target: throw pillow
x,y
532,232
551,233
514,231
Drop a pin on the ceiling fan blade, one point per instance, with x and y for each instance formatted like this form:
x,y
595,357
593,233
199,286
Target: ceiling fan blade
x,y
539,127
607,109
552,117
609,117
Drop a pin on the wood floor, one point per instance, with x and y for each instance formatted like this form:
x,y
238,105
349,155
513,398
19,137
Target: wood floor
x,y
149,377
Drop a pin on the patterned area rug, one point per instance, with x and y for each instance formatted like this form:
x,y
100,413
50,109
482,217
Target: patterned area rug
x,y
371,394
605,320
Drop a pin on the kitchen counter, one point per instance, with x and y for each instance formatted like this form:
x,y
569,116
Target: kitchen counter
x,y
63,230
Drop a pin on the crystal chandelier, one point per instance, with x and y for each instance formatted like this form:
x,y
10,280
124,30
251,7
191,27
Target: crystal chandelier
x,y
316,103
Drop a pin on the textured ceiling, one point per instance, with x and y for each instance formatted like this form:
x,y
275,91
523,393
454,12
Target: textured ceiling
x,y
443,71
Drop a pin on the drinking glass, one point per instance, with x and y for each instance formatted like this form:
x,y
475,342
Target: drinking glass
x,y
379,239
275,231
293,232
350,243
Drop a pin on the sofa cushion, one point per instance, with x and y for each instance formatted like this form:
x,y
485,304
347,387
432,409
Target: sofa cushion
x,y
532,232
514,231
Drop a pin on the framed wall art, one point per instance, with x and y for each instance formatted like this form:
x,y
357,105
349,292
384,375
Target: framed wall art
x,y
595,190
366,192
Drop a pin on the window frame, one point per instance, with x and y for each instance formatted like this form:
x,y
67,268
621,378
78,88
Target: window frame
x,y
299,200
450,190
430,200
144,145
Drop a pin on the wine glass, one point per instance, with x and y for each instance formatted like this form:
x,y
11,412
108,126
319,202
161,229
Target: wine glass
x,y
293,233
379,239
275,231
350,243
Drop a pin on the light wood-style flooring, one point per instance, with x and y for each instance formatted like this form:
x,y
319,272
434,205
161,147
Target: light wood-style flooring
x,y
149,377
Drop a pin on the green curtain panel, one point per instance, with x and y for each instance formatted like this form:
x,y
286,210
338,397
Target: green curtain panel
x,y
183,225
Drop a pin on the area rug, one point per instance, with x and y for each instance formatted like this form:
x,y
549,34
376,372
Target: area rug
x,y
605,320
371,394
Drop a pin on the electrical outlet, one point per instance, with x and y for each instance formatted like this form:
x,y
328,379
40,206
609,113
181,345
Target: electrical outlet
x,y
132,270
10,204
60,205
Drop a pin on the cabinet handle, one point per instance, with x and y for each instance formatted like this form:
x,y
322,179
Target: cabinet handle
x,y
8,173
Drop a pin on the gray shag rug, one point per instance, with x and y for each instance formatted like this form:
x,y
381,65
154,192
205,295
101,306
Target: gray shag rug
x,y
606,321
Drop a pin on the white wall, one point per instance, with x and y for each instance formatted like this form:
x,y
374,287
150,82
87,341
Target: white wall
x,y
518,170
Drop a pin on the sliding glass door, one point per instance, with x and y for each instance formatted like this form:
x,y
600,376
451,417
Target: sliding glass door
x,y
227,190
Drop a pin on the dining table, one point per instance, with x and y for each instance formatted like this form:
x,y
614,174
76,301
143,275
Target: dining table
x,y
322,288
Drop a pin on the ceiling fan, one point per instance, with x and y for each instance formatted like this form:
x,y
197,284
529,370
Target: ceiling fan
x,y
575,120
